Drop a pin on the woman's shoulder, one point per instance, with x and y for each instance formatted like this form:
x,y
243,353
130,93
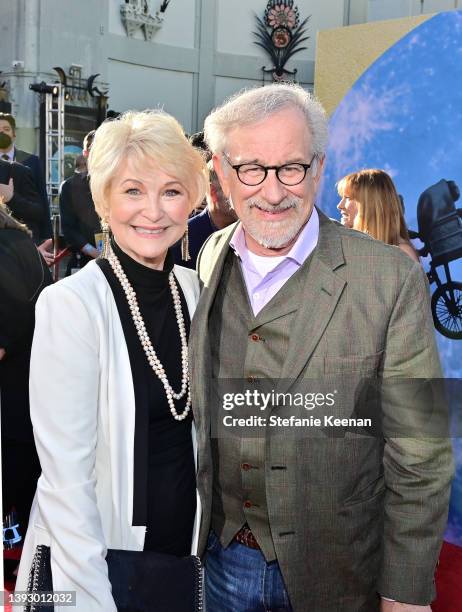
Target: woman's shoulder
x,y
80,300
87,283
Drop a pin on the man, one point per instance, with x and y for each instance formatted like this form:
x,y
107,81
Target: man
x,y
216,215
79,221
9,152
333,523
20,195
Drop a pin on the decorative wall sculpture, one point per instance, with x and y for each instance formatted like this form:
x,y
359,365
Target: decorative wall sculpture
x,y
280,34
138,15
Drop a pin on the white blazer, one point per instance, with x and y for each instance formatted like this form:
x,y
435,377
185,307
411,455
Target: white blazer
x,y
83,411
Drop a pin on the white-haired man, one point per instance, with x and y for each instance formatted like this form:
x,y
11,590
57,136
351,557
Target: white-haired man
x,y
336,522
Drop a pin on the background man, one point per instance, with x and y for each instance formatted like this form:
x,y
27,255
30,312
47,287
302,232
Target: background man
x,y
333,522
9,152
216,215
79,221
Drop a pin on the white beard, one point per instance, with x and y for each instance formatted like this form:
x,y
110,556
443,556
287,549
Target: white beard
x,y
274,234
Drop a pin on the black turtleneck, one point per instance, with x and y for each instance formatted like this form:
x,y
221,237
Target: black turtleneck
x,y
164,473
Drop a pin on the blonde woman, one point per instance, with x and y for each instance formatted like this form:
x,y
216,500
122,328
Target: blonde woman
x,y
110,400
371,204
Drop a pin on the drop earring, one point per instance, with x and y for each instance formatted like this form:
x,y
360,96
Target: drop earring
x,y
185,256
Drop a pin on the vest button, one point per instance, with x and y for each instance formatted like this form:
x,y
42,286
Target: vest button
x,y
248,504
255,337
246,466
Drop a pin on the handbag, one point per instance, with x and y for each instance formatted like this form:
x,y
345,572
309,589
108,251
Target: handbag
x,y
141,581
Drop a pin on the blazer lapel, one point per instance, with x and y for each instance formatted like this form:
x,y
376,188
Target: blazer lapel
x,y
318,299
210,271
189,288
279,306
319,296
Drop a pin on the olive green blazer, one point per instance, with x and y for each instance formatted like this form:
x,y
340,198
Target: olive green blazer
x,y
351,515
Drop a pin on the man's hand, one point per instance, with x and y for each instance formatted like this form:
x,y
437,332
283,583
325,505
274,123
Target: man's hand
x,y
396,606
46,252
2,353
7,191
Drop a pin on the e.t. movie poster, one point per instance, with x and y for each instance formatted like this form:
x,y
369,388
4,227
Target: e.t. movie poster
x,y
404,115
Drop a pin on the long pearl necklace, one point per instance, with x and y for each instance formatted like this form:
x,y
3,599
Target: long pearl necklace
x,y
153,360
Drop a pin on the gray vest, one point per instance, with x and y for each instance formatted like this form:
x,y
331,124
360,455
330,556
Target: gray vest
x,y
245,346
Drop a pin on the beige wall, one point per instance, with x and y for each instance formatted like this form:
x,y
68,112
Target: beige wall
x,y
343,54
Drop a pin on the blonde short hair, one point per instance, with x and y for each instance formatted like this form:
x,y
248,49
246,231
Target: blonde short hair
x,y
151,135
380,212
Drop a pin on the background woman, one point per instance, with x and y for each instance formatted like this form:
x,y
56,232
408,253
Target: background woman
x,y
371,204
23,275
109,373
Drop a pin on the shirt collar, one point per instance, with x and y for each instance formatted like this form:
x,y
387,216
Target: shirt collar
x,y
10,153
302,248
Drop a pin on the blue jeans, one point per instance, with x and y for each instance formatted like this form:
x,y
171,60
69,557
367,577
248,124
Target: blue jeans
x,y
238,579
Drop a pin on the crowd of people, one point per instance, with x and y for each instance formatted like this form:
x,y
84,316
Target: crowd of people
x,y
130,356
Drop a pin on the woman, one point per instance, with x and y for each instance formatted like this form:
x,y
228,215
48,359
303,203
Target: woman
x,y
371,204
110,397
23,275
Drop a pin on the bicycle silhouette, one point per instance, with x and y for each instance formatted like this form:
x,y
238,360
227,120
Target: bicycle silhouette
x,y
440,229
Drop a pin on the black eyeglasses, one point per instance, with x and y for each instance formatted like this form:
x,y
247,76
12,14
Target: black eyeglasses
x,y
254,174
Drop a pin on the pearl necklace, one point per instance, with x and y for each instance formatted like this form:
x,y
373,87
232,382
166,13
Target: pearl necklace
x,y
152,358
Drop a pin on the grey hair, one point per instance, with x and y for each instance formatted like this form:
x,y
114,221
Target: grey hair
x,y
254,105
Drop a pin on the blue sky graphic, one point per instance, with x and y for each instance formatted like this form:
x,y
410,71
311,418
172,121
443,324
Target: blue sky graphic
x,y
404,115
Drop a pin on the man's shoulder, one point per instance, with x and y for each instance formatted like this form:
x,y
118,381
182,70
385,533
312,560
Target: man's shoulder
x,y
199,219
19,170
358,246
220,237
25,157
76,188
24,183
199,228
70,181
211,249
